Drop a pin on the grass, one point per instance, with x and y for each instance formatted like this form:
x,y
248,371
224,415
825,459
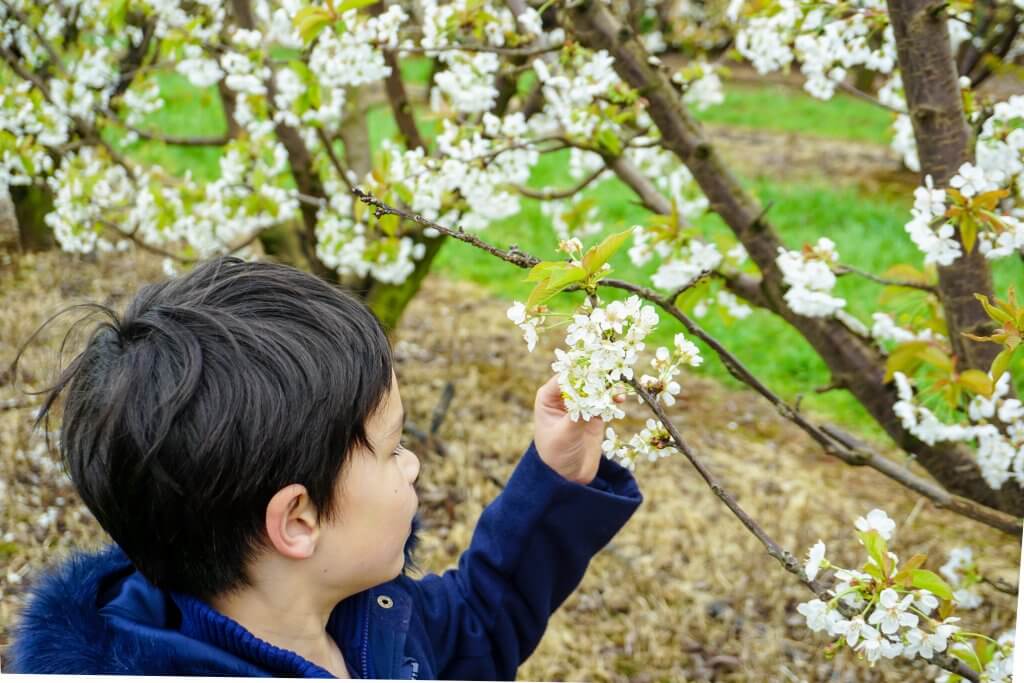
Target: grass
x,y
867,229
785,109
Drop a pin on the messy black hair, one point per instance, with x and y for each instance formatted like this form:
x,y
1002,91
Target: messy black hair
x,y
186,414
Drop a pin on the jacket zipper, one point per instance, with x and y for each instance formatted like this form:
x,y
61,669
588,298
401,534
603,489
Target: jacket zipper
x,y
365,650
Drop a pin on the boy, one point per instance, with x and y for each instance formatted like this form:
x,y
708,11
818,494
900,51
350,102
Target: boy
x,y
237,433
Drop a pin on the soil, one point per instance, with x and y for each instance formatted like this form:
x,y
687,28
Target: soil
x,y
683,592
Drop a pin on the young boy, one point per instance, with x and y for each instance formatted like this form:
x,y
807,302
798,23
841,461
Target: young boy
x,y
237,433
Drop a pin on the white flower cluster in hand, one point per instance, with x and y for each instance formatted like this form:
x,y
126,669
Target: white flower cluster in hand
x,y
809,275
961,573
603,343
891,620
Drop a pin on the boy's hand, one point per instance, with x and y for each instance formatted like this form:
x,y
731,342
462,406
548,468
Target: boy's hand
x,y
573,449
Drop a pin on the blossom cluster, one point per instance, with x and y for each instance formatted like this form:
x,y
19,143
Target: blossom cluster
x,y
808,274
881,613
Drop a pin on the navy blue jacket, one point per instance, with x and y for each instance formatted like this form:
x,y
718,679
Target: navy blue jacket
x,y
97,615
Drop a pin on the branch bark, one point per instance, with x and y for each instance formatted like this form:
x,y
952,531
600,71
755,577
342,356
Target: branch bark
x,y
857,364
944,143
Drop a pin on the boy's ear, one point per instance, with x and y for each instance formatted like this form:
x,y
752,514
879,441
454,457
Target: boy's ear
x,y
291,522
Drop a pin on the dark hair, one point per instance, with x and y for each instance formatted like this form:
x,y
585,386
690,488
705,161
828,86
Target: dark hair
x,y
212,392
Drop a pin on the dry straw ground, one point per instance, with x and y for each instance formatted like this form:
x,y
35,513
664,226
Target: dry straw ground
x,y
683,593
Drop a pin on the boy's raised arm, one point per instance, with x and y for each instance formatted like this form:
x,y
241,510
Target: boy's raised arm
x,y
563,503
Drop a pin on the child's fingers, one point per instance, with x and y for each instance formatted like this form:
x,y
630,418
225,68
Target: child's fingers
x,y
550,395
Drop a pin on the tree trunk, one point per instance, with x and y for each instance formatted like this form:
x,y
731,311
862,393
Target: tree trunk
x,y
856,365
943,144
31,204
388,302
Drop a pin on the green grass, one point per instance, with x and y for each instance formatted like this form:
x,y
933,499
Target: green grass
x,y
786,109
867,229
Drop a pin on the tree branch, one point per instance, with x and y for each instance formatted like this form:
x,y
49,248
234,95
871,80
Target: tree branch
x,y
837,447
550,193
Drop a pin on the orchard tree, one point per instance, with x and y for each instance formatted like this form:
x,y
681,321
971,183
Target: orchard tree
x,y
511,83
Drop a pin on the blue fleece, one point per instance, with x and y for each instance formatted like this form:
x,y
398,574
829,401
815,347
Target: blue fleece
x,y
96,614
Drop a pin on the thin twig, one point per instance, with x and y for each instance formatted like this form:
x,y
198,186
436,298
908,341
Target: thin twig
x,y
550,194
867,97
841,270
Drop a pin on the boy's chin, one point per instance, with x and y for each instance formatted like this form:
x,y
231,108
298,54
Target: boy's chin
x,y
411,543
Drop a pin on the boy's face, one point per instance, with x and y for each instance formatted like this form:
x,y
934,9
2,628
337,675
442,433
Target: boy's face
x,y
365,545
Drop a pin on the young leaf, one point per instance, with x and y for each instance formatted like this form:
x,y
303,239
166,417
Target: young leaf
x,y
993,312
310,21
599,255
555,283
355,4
968,232
543,270
904,358
877,549
976,381
1000,363
930,581
905,575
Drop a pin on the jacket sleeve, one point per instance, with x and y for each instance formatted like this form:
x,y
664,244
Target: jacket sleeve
x,y
529,551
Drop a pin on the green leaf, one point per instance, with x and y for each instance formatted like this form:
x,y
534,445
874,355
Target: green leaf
x,y
355,4
543,270
877,549
993,312
1000,363
905,575
554,284
609,141
976,381
930,581
904,358
968,232
310,21
935,356
389,224
599,255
